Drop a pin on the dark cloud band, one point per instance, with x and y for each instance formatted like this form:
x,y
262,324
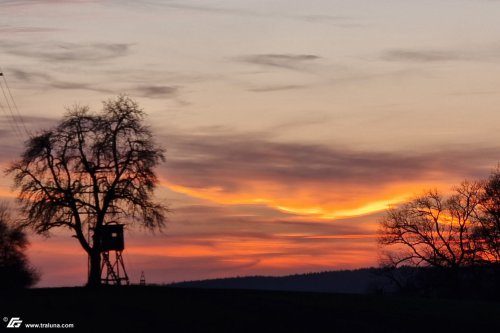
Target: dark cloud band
x,y
289,61
226,160
66,52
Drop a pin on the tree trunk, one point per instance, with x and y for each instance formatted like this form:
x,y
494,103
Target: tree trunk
x,y
94,279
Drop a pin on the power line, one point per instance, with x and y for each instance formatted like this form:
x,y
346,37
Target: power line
x,y
12,118
14,115
9,119
20,117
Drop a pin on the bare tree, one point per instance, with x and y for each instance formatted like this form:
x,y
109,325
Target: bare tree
x,y
433,230
488,231
15,270
89,170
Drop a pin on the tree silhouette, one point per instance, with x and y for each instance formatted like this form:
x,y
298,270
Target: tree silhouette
x,y
488,231
90,170
434,230
15,271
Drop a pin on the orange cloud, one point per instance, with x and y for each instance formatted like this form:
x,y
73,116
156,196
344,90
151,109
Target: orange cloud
x,y
312,180
319,201
279,253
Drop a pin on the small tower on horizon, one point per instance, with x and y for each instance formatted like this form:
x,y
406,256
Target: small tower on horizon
x,y
143,279
112,244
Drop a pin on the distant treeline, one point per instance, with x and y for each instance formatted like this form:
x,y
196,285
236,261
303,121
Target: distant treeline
x,y
472,282
357,281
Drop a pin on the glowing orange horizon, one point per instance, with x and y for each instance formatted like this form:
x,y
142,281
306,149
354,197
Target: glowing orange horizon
x,y
280,251
7,194
243,255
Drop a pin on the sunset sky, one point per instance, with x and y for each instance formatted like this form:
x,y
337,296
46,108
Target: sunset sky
x,y
289,125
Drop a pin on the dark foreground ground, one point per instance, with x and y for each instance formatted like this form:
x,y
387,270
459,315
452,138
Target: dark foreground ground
x,y
164,309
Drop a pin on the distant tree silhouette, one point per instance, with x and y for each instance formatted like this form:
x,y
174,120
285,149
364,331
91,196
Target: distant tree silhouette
x,y
91,169
488,231
15,270
433,230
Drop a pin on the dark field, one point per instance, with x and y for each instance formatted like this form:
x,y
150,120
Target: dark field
x,y
165,309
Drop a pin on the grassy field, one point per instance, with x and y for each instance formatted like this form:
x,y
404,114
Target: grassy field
x,y
165,309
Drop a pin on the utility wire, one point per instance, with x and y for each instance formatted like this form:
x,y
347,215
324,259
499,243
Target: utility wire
x,y
9,119
14,121
19,116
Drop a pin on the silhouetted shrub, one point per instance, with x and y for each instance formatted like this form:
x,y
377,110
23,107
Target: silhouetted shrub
x,y
15,270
